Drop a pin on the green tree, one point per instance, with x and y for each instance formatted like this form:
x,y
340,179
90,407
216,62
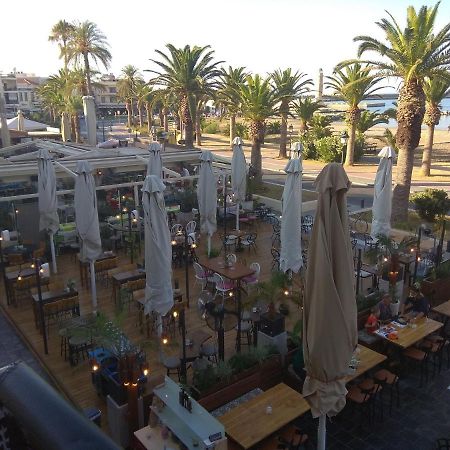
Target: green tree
x,y
353,83
369,119
435,90
410,54
126,89
304,110
288,87
257,105
88,42
61,33
228,95
184,71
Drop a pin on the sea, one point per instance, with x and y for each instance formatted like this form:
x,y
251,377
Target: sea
x,y
444,123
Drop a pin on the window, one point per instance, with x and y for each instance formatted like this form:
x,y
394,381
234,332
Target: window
x,y
103,99
25,96
112,90
113,99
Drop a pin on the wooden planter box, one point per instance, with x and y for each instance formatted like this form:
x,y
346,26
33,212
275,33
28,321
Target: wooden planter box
x,y
437,291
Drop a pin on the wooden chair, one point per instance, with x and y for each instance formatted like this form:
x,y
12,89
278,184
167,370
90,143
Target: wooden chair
x,y
22,290
15,259
419,357
391,381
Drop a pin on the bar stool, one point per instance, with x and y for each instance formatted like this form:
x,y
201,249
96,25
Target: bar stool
x,y
172,364
246,332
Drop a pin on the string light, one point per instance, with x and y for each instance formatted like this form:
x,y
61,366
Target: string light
x,y
174,242
286,292
94,368
126,383
165,340
175,314
32,266
19,278
145,372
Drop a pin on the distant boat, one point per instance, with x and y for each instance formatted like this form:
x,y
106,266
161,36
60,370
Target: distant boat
x,y
376,104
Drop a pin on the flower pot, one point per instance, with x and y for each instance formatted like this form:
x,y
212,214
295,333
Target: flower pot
x,y
395,308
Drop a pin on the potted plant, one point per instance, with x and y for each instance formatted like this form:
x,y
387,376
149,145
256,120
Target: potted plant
x,y
70,285
437,286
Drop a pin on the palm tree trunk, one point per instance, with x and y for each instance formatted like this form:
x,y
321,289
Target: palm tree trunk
x,y
188,124
72,126
198,128
232,128
427,152
141,122
88,74
149,117
350,156
77,128
283,136
256,129
161,118
410,112
128,106
165,119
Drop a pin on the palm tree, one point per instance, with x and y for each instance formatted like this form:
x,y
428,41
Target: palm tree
x,y
435,90
61,33
412,54
183,71
257,105
126,89
369,119
88,42
353,83
227,94
142,89
149,99
304,110
288,87
165,99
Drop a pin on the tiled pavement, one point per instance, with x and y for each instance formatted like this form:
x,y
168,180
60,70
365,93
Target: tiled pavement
x,y
422,418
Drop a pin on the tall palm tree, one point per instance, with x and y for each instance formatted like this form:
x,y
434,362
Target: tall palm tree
x,y
88,42
126,89
304,110
164,97
257,104
227,94
353,83
369,119
149,99
183,71
411,54
435,90
142,89
288,86
61,33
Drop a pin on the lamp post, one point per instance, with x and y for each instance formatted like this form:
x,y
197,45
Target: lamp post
x,y
291,129
37,272
187,248
344,139
130,232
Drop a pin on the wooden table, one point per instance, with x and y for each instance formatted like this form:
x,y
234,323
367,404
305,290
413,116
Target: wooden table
x,y
197,338
48,297
409,336
125,277
368,359
235,273
11,277
248,423
444,310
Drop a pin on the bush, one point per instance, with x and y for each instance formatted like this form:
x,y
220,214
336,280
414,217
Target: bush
x,y
241,130
210,127
360,144
329,149
273,127
431,204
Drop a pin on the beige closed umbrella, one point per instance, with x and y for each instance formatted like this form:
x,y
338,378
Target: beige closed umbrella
x,y
20,121
329,314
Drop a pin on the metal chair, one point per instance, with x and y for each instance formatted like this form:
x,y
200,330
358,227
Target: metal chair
x,y
249,241
190,227
176,229
223,287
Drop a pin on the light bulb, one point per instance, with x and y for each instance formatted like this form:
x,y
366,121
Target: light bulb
x,y
145,372
94,368
175,314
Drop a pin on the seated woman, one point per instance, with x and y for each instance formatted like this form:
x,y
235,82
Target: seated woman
x,y
416,305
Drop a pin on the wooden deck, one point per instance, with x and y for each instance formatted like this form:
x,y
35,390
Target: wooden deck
x,y
75,382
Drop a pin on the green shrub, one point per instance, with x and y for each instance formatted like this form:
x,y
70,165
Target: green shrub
x,y
210,127
273,127
329,149
431,204
360,143
241,130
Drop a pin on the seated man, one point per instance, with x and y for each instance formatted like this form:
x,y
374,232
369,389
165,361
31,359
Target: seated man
x,y
416,305
385,308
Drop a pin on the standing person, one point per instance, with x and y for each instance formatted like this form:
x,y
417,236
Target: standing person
x,y
416,305
385,308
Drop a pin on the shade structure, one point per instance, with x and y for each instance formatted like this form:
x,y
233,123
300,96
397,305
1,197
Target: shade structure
x,y
238,175
28,125
382,196
48,206
154,166
207,196
291,218
158,250
86,219
329,310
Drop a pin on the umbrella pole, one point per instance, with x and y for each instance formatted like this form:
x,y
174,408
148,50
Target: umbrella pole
x,y
93,288
209,245
52,248
237,216
321,432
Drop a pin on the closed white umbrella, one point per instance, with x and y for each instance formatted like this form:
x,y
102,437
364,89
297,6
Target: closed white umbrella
x,y
291,219
158,249
48,206
329,309
207,196
382,198
238,175
154,166
86,219
20,121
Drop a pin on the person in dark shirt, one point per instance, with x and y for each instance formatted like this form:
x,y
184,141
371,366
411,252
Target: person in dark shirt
x,y
385,308
416,304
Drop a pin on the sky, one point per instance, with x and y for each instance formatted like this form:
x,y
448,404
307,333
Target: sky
x,y
261,35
